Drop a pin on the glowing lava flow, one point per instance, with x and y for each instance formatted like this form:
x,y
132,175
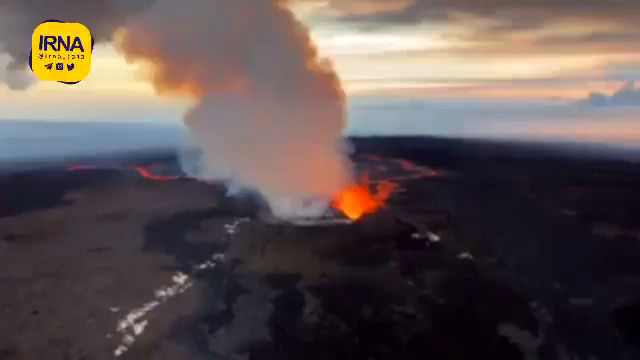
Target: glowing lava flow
x,y
140,170
147,175
357,200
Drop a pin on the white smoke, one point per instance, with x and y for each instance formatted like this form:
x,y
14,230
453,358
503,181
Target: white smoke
x,y
270,113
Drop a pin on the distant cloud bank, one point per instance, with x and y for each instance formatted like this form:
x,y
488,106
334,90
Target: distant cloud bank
x,y
628,95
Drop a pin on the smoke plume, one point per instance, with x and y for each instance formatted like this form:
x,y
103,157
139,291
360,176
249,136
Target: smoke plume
x,y
269,112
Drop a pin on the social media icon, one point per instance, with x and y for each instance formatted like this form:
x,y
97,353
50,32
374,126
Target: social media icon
x,y
70,66
59,66
49,66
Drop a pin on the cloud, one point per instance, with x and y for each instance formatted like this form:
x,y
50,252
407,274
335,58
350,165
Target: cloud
x,y
12,75
407,11
628,95
495,18
369,7
622,71
608,37
474,28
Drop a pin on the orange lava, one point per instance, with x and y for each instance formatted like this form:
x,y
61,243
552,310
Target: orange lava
x,y
140,170
357,200
147,175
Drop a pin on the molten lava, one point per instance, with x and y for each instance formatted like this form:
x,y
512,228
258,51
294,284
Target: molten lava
x,y
357,200
149,176
143,172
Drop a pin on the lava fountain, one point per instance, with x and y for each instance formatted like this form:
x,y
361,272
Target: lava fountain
x,y
357,200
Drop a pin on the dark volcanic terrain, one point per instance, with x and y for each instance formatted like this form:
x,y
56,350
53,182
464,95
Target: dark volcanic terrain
x,y
486,251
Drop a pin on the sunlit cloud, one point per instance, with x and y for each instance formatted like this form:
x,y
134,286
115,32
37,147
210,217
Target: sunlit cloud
x,y
461,47
113,90
402,48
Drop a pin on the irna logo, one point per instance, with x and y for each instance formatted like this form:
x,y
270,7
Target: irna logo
x,y
58,43
61,52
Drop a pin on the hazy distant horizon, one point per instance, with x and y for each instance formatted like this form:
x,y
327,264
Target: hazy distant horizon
x,y
531,121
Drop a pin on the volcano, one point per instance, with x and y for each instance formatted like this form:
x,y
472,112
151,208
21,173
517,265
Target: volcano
x,y
436,254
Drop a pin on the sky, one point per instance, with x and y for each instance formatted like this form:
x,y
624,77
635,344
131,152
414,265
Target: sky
x,y
526,54
480,49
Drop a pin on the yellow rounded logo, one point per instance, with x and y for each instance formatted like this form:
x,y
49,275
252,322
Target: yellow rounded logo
x,y
61,51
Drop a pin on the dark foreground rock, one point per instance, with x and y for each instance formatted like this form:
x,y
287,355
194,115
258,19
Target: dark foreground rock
x,y
476,257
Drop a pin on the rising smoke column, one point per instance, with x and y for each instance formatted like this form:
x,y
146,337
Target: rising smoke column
x,y
269,113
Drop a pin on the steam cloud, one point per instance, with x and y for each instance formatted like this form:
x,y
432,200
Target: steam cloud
x,y
269,112
269,115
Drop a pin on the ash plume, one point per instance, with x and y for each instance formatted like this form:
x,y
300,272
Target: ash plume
x,y
269,112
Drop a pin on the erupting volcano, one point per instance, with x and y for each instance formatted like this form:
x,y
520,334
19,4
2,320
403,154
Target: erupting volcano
x,y
269,112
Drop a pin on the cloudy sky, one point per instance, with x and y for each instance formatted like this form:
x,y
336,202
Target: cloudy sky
x,y
530,49
432,50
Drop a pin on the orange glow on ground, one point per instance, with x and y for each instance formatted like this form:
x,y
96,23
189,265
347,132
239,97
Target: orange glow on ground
x,y
140,170
357,200
147,175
